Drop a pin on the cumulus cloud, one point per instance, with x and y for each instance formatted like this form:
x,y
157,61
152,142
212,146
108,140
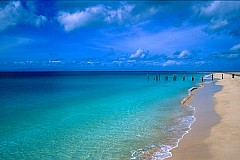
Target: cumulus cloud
x,y
71,21
102,14
15,13
184,53
199,62
93,15
138,54
171,63
219,16
236,47
233,53
217,24
143,58
218,8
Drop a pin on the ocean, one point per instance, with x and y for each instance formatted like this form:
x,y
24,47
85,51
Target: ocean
x,y
93,115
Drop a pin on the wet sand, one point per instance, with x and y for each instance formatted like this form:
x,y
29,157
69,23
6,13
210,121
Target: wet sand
x,y
192,146
216,132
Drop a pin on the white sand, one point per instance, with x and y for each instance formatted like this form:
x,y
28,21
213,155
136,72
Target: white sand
x,y
224,139
216,133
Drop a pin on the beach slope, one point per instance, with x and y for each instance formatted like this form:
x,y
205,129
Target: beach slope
x,y
216,133
224,139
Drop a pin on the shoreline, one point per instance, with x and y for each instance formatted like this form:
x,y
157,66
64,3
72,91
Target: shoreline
x,y
185,103
168,151
190,94
192,146
203,141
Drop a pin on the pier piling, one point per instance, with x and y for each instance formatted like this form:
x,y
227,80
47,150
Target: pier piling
x,y
174,77
212,77
233,75
166,78
156,77
192,77
202,78
183,78
222,76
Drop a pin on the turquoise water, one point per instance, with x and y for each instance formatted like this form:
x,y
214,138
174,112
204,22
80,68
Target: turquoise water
x,y
92,115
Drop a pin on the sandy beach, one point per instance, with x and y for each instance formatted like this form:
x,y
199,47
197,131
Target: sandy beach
x,y
216,132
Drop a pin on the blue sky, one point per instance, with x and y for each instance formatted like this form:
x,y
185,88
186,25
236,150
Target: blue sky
x,y
119,35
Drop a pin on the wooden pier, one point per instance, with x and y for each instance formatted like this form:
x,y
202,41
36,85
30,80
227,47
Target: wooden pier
x,y
188,77
174,77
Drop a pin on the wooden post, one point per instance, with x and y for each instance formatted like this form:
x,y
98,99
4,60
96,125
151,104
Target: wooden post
x,y
156,77
183,78
233,75
212,77
166,78
192,77
174,77
222,76
202,78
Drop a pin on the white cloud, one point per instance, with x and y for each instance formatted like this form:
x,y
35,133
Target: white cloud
x,y
172,62
138,54
219,8
102,14
90,62
71,21
232,55
55,61
217,24
131,61
39,20
14,13
184,53
90,15
210,9
117,62
221,15
236,47
199,62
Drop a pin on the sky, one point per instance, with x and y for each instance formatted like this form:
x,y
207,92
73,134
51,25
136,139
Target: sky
x,y
119,35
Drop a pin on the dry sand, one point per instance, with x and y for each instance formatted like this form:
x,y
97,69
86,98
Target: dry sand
x,y
216,133
224,139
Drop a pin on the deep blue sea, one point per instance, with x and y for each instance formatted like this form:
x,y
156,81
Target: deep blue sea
x,y
92,115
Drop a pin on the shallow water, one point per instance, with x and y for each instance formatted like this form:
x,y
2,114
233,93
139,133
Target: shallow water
x,y
92,115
